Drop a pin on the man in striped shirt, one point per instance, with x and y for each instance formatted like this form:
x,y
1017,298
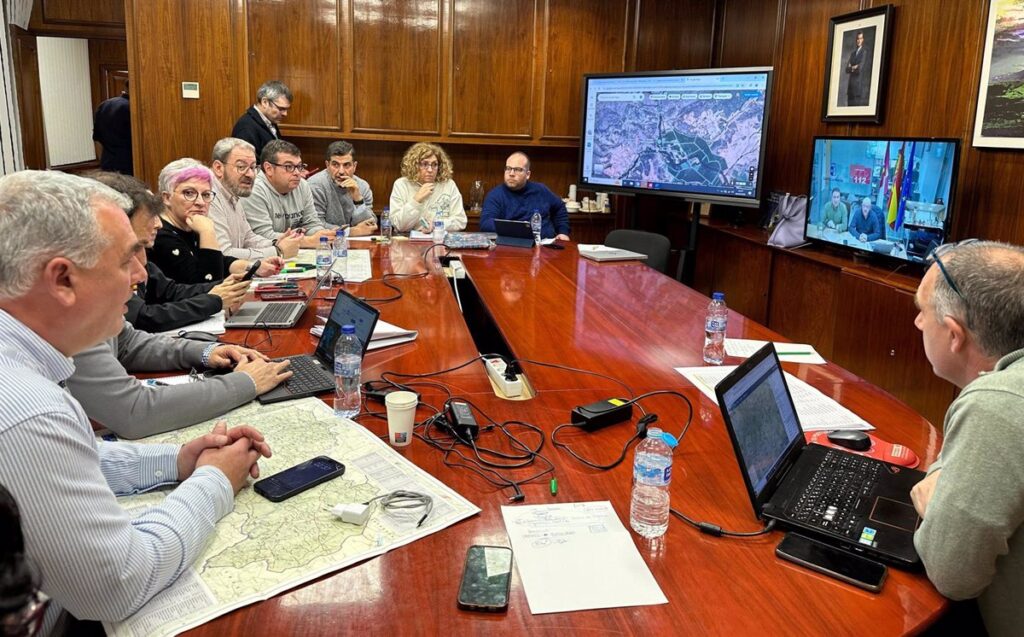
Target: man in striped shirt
x,y
67,264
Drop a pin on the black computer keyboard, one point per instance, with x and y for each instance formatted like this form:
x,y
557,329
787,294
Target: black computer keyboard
x,y
307,376
275,313
831,498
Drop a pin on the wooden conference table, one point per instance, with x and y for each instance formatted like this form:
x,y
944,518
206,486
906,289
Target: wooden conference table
x,y
626,321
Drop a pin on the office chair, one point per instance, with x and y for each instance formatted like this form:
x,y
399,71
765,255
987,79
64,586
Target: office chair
x,y
655,246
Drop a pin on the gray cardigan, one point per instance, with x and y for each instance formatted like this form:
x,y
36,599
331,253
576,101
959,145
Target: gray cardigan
x,y
119,402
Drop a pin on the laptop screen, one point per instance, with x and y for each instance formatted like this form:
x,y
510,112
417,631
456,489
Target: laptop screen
x,y
760,412
347,310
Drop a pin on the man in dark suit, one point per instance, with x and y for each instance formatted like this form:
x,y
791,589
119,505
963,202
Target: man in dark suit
x,y
112,127
858,68
260,123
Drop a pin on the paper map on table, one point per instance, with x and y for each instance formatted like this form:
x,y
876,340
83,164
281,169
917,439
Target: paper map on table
x,y
263,548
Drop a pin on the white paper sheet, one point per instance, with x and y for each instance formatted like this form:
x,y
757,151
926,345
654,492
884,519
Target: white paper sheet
x,y
384,334
788,352
212,325
816,411
577,556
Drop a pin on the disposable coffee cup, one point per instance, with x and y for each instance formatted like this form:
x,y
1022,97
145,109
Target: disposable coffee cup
x,y
401,416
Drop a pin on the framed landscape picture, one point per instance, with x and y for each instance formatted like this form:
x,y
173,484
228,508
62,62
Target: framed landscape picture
x,y
999,121
858,52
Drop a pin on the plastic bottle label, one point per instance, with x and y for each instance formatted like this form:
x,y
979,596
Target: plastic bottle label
x,y
652,476
715,324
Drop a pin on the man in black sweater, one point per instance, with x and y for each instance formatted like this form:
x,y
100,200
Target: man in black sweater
x,y
260,123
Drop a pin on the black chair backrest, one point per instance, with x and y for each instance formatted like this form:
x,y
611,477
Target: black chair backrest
x,y
655,246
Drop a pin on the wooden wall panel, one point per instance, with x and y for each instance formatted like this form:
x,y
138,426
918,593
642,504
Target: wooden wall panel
x,y
803,300
396,49
582,37
875,338
747,36
164,52
108,59
742,270
661,43
493,49
299,44
78,18
30,99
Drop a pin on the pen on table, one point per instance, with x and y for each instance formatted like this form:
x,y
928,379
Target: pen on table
x,y
554,486
794,353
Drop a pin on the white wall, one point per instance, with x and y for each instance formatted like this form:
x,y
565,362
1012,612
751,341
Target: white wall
x,y
67,100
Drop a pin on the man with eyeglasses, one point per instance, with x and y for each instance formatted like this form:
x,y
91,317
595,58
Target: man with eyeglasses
x,y
234,167
518,198
66,269
971,317
259,124
340,197
281,201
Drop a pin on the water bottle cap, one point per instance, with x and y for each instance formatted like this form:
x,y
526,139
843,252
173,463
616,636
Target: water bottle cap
x,y
323,239
669,439
348,329
337,233
718,296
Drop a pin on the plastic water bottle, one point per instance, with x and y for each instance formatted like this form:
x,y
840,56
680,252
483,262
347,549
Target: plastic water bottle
x,y
323,261
385,226
714,330
439,231
535,225
341,251
652,474
348,364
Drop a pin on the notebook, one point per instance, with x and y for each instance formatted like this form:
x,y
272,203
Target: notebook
x,y
605,253
467,240
513,233
273,313
312,375
852,501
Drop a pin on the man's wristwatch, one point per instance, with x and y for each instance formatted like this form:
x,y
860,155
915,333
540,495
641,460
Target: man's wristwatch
x,y
357,203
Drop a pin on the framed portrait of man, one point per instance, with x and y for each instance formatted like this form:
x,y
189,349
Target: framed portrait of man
x,y
858,52
999,120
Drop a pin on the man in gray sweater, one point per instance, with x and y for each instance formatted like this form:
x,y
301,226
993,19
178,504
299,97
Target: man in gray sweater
x,y
133,409
971,317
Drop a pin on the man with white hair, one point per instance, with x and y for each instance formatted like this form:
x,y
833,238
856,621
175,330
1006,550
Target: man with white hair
x,y
67,264
971,540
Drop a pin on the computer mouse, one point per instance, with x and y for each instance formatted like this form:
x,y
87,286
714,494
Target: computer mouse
x,y
856,440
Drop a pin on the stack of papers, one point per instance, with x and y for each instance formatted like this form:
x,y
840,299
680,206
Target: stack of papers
x,y
606,253
384,335
212,325
816,411
788,352
416,235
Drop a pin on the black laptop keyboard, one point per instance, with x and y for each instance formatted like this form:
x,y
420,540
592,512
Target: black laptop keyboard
x,y
275,313
833,493
307,376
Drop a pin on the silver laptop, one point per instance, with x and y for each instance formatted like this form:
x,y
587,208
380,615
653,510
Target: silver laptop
x,y
604,253
273,313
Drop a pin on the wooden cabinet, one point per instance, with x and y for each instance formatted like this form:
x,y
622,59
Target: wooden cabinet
x,y
859,316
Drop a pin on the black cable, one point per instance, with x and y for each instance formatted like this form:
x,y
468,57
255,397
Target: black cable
x,y
716,531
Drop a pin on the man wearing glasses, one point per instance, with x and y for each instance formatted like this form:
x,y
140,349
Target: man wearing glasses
x,y
281,202
518,198
259,125
971,303
340,197
234,166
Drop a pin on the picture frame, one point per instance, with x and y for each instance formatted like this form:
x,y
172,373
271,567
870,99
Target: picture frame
x,y
999,119
858,61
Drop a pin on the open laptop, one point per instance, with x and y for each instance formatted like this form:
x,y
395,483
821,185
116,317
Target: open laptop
x,y
513,233
312,375
852,501
273,313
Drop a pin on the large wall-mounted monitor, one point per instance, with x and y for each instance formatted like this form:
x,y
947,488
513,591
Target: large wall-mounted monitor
x,y
696,134
889,197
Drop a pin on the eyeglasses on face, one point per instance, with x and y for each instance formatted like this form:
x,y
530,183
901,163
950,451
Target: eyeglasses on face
x,y
191,194
428,165
243,167
935,256
515,170
283,109
290,168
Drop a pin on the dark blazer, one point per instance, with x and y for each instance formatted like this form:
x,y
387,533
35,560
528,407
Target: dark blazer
x,y
251,128
163,304
112,127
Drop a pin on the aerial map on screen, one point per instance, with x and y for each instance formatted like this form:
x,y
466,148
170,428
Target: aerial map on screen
x,y
698,134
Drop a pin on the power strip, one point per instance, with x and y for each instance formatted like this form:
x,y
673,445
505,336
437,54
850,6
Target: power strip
x,y
458,271
496,370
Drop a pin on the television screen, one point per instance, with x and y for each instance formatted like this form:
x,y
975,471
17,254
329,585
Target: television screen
x,y
884,196
695,134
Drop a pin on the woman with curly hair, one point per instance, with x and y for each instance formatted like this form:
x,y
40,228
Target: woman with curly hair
x,y
425,187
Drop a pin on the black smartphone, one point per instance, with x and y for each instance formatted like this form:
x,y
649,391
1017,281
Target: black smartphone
x,y
554,246
251,272
297,479
834,562
486,579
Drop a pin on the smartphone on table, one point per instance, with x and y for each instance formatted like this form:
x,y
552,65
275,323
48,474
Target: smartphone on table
x,y
832,561
486,579
299,478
